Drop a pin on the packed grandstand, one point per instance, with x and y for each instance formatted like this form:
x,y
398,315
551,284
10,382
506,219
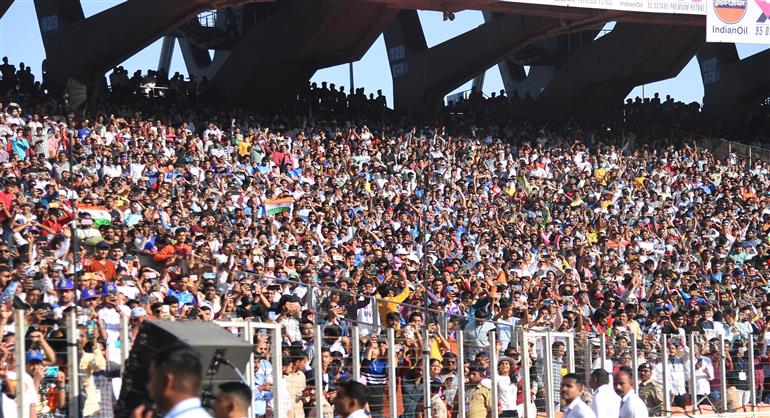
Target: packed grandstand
x,y
155,204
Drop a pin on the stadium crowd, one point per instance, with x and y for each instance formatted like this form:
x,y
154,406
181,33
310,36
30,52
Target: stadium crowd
x,y
162,208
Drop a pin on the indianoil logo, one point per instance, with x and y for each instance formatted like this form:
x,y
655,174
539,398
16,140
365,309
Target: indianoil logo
x,y
730,11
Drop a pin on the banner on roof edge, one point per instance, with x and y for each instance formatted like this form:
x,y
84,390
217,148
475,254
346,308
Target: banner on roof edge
x,y
688,7
738,21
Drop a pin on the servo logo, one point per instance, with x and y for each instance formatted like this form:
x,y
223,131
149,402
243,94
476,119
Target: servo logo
x,y
730,11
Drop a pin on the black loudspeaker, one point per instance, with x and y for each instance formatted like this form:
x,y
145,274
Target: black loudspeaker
x,y
211,341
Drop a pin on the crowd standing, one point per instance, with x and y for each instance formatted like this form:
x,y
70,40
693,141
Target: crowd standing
x,y
347,215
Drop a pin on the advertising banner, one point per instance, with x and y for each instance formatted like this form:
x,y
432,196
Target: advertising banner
x,y
688,7
739,21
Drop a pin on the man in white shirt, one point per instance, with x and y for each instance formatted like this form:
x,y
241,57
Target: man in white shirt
x,y
631,405
175,385
110,312
606,403
572,387
350,400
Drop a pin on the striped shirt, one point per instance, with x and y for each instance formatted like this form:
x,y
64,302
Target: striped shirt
x,y
375,371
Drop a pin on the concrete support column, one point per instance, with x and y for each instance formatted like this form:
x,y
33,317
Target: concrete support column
x,y
422,76
103,41
732,85
597,77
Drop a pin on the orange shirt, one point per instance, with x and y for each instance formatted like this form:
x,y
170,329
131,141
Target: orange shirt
x,y
106,267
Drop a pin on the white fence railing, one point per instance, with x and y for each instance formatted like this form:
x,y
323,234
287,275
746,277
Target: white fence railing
x,y
680,365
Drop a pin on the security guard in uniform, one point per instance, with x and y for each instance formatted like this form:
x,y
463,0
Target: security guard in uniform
x,y
649,390
480,402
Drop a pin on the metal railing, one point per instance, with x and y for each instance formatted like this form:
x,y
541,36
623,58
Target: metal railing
x,y
77,397
720,148
692,374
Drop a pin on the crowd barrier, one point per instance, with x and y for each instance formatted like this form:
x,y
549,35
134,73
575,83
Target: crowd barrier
x,y
686,391
583,353
250,331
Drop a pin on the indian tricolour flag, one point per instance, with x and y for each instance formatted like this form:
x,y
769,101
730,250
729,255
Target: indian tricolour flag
x,y
276,206
99,214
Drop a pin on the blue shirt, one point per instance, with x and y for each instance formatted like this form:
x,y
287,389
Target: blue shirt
x,y
262,397
84,133
20,146
184,297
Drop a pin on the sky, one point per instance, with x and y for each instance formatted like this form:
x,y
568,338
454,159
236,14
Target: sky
x,y
20,40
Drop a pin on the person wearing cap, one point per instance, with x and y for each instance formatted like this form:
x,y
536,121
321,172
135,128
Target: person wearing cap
x,y
100,262
65,290
480,402
31,379
649,390
571,390
631,405
438,406
88,295
138,315
110,312
606,403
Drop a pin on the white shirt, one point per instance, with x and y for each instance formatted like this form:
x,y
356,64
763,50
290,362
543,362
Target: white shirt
x,y
188,408
365,317
578,409
677,380
597,364
111,319
703,376
507,390
632,406
30,394
131,292
606,403
358,414
282,396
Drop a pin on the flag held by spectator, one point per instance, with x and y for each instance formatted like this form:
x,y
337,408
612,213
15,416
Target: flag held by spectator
x,y
276,206
99,214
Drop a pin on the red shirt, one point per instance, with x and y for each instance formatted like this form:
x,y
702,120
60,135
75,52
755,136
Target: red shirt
x,y
7,200
51,224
